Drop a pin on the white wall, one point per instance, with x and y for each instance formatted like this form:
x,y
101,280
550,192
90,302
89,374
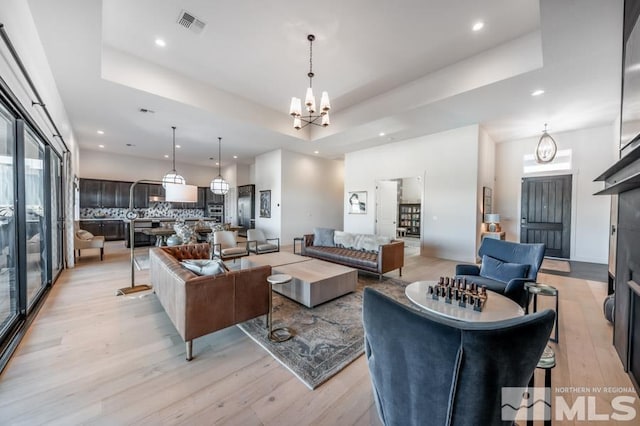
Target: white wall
x,y
449,163
268,176
412,189
312,193
19,25
486,176
592,154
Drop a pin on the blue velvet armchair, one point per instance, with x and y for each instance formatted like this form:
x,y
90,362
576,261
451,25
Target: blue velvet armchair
x,y
506,267
429,370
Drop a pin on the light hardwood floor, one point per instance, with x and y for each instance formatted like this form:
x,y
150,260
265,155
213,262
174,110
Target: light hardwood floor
x,y
91,357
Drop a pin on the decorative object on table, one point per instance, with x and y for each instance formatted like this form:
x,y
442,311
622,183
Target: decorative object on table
x,y
174,240
310,101
487,200
219,186
265,203
461,377
493,222
357,202
457,291
547,148
173,176
328,337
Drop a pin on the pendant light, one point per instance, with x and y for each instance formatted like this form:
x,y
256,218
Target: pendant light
x,y
219,186
173,176
547,148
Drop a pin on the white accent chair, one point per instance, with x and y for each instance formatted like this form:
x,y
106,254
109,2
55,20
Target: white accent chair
x,y
225,246
83,240
260,244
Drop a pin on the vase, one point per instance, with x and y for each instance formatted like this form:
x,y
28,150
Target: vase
x,y
174,240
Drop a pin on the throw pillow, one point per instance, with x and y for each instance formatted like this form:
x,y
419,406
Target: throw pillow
x,y
84,235
205,266
343,239
502,271
323,237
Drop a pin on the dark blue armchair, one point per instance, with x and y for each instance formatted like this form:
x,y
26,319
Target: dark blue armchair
x,y
506,267
430,370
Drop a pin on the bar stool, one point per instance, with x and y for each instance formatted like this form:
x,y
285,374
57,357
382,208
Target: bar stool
x,y
281,334
536,289
547,362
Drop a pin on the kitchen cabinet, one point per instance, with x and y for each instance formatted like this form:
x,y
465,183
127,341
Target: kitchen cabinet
x,y
140,196
202,198
113,230
212,198
95,193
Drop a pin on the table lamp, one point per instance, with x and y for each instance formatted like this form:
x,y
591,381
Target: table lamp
x,y
493,222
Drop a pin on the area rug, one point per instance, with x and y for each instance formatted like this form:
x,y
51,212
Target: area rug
x,y
556,265
326,338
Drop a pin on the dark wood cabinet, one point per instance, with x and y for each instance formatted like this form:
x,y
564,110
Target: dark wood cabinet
x,y
90,193
95,193
212,198
202,198
112,230
140,196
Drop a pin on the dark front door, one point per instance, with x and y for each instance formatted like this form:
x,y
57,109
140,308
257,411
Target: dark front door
x,y
546,213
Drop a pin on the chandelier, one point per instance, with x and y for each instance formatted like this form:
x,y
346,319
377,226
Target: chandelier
x,y
310,101
173,176
547,148
219,186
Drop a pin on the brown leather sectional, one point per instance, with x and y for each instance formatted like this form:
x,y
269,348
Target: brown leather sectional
x,y
388,258
199,305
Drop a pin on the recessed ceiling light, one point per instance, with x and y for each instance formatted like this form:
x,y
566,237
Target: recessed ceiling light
x,y
100,132
478,26
166,156
100,146
131,144
235,156
178,146
160,42
537,92
381,134
217,164
316,152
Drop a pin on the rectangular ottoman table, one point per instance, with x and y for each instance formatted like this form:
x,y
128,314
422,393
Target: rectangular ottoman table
x,y
316,281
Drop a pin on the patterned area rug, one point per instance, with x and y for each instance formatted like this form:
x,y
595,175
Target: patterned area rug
x,y
326,338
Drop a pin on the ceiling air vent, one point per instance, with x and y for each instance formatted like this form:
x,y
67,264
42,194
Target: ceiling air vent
x,y
190,22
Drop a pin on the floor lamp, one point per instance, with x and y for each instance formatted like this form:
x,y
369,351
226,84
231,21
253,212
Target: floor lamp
x,y
174,193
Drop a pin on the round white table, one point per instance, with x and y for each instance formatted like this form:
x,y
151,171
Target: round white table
x,y
283,333
496,308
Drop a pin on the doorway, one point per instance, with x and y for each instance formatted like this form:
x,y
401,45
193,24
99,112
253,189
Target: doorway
x,y
546,213
398,211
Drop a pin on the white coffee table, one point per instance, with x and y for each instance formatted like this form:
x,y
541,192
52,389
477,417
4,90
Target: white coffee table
x,y
272,259
316,281
497,306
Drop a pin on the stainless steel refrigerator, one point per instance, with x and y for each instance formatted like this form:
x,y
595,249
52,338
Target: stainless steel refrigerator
x,y
246,208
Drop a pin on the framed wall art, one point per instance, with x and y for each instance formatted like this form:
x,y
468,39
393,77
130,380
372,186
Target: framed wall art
x,y
357,202
265,203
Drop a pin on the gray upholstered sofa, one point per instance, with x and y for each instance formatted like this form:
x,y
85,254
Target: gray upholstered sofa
x,y
199,305
361,251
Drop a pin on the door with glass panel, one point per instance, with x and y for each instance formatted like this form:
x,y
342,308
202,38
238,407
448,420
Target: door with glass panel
x,y
57,217
8,247
36,223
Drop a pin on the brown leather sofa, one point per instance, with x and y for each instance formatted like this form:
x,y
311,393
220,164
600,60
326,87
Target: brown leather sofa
x,y
388,258
199,305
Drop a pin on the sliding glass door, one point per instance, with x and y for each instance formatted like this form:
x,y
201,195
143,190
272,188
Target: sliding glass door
x,y
36,224
8,249
57,216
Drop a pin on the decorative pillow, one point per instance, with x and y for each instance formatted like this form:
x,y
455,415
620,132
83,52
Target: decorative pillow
x,y
323,237
205,266
368,242
343,239
502,271
186,233
84,235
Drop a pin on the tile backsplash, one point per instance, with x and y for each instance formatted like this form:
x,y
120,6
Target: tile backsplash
x,y
160,209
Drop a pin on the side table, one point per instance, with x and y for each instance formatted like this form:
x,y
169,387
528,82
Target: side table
x,y
536,289
284,333
547,362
